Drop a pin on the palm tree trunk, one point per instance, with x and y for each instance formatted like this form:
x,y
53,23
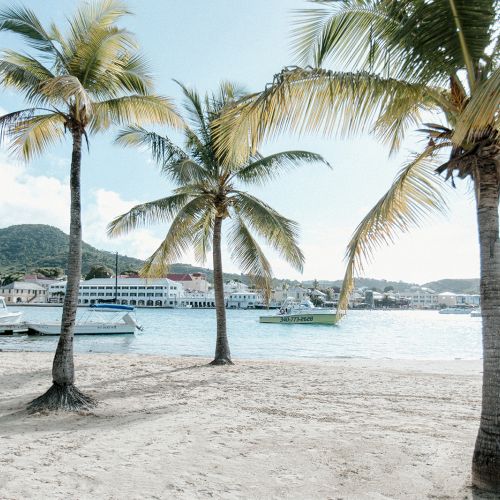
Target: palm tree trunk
x,y
486,459
222,353
63,395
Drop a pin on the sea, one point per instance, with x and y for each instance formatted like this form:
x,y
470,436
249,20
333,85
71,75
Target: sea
x,y
370,334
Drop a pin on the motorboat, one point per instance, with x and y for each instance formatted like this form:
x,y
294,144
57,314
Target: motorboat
x,y
6,317
99,319
292,312
455,310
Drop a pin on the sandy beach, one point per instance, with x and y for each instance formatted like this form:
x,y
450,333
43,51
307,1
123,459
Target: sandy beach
x,y
177,428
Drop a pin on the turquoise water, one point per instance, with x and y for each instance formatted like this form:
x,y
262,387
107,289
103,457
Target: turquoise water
x,y
362,334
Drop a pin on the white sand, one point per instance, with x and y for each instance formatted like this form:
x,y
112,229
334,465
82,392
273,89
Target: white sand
x,y
176,428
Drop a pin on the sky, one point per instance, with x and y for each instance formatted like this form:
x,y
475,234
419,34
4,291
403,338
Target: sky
x,y
201,43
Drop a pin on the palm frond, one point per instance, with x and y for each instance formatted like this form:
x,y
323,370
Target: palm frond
x,y
482,111
173,161
24,73
196,116
349,32
162,210
93,16
68,90
32,136
308,101
203,235
247,254
24,22
179,238
278,231
133,109
269,167
415,194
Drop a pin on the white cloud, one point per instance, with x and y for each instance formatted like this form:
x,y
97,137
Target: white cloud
x,y
38,199
34,199
106,206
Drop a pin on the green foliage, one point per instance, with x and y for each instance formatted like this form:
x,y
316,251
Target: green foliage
x,y
28,247
99,272
50,272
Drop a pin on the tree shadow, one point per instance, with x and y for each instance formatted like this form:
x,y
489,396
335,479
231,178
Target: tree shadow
x,y
16,420
477,494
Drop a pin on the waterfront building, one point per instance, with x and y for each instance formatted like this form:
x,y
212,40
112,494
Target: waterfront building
x,y
244,300
235,286
450,299
130,291
23,292
196,282
422,298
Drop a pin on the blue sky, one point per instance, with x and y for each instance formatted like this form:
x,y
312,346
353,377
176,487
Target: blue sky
x,y
200,43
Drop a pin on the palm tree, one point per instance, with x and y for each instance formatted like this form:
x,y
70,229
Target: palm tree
x,y
81,83
207,194
404,59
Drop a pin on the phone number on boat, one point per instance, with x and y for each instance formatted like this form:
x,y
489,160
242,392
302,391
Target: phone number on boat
x,y
296,319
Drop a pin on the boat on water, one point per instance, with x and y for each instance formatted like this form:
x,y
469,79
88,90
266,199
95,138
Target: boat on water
x,y
292,312
6,317
100,319
455,310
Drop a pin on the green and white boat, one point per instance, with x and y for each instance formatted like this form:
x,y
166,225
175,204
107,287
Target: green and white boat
x,y
293,313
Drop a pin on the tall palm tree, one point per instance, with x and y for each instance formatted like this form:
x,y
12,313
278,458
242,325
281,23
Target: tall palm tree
x,y
78,83
207,194
404,59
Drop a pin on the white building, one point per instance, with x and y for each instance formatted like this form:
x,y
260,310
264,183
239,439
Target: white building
x,y
130,291
422,298
243,300
235,286
196,282
451,299
19,292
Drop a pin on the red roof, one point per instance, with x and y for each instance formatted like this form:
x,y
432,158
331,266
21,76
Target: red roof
x,y
179,277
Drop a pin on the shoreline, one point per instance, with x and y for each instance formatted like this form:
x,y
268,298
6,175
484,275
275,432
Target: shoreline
x,y
176,427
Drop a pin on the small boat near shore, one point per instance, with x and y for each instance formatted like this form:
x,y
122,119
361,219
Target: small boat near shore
x,y
455,310
293,313
94,322
6,317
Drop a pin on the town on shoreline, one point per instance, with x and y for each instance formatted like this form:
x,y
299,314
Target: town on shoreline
x,y
193,290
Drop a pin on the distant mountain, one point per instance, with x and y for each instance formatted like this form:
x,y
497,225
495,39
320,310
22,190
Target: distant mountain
x,y
445,285
458,285
26,247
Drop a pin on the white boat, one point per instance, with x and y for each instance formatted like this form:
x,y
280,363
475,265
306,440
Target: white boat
x,y
94,322
6,317
475,313
455,310
293,313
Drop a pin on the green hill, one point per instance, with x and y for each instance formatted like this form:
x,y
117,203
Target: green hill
x,y
26,247
29,246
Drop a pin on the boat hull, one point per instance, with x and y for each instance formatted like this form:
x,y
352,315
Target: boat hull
x,y
10,318
84,329
300,319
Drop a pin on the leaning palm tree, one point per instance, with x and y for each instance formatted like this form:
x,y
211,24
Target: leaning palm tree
x,y
78,83
207,194
403,60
